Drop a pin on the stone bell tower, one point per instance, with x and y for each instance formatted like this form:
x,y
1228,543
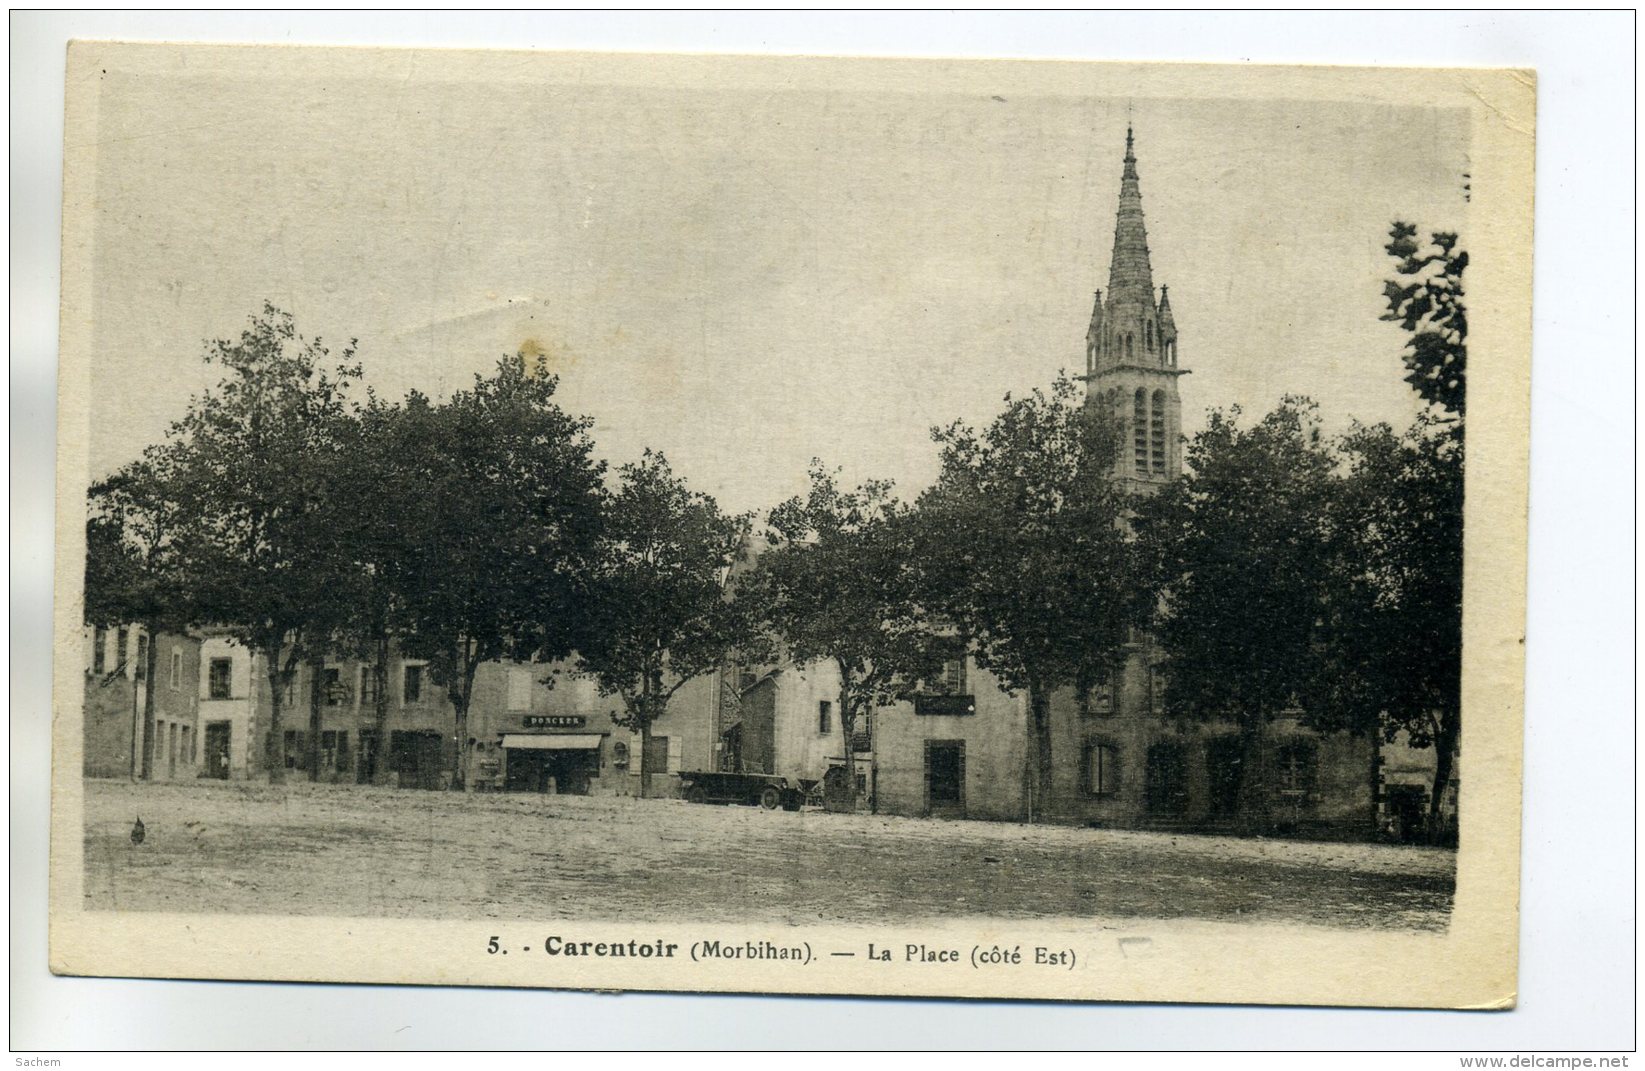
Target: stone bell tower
x,y
1131,348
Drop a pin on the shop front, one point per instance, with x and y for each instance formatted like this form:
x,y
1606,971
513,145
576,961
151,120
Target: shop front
x,y
548,755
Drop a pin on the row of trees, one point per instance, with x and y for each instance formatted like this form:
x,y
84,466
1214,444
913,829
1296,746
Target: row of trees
x,y
1282,570
309,525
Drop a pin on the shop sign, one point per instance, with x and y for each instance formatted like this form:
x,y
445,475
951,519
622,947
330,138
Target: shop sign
x,y
555,721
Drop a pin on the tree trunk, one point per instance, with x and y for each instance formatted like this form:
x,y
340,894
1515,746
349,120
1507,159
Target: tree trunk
x,y
1039,722
462,694
1377,798
273,756
459,772
316,700
379,672
643,713
848,724
136,737
151,660
645,757
459,732
1253,780
1445,742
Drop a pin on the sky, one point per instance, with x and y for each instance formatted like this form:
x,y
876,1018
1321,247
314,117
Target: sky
x,y
748,279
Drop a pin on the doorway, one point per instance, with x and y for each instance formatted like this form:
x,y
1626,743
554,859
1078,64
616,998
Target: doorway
x,y
565,771
1224,766
218,736
1407,809
1166,779
945,778
365,772
416,757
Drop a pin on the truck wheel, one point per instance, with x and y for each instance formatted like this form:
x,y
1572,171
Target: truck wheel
x,y
696,795
771,797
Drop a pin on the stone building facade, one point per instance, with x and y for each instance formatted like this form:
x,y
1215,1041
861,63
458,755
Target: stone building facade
x,y
122,737
532,727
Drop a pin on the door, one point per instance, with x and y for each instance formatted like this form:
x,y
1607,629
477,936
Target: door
x,y
524,770
366,772
571,770
218,734
945,778
1407,811
1224,760
417,758
1167,779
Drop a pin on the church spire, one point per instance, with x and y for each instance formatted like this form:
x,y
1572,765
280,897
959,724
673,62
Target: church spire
x,y
1131,348
1130,277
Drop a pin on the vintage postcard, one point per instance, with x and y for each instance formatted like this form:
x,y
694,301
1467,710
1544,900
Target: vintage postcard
x,y
797,525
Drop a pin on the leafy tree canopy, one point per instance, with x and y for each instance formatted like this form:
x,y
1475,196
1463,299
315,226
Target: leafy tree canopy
x,y
660,613
838,584
1024,544
496,527
1428,302
1242,548
1024,547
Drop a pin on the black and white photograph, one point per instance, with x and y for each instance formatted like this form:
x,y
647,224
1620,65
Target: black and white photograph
x,y
785,525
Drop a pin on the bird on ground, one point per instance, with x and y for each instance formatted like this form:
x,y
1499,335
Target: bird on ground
x,y
137,832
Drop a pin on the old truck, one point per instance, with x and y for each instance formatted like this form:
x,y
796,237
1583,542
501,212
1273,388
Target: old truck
x,y
755,790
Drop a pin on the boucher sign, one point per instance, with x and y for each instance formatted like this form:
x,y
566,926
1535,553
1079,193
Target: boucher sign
x,y
555,721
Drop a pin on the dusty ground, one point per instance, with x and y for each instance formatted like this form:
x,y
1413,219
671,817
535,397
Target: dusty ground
x,y
351,851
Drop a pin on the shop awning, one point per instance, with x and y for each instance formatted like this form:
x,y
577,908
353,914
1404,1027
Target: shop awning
x,y
552,741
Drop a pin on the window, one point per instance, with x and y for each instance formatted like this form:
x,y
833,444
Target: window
x,y
334,750
183,750
1157,433
1128,339
120,650
1098,697
295,742
1156,690
368,685
1295,765
519,688
1150,336
1101,770
412,690
141,670
825,717
1139,431
655,755
99,644
220,682
953,677
176,669
331,686
862,740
